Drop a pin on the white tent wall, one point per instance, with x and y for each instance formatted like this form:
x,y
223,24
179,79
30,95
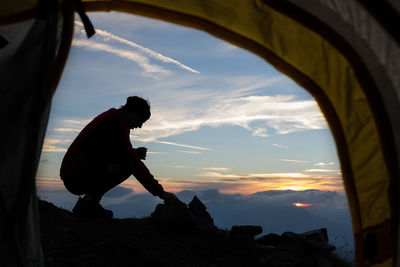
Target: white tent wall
x,y
27,69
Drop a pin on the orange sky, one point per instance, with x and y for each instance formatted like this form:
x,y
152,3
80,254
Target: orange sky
x,y
243,184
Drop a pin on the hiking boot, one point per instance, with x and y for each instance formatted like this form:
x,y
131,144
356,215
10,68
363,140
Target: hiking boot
x,y
91,209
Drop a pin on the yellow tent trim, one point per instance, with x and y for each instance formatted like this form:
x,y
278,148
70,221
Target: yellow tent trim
x,y
387,263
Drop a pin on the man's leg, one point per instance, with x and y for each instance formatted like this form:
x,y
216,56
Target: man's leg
x,y
96,184
102,183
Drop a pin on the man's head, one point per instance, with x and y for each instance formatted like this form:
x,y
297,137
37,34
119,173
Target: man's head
x,y
138,111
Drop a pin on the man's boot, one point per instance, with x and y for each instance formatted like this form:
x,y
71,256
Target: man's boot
x,y
89,206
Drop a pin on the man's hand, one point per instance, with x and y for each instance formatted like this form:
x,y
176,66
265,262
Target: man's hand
x,y
169,197
141,152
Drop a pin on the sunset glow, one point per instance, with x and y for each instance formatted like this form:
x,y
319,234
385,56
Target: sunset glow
x,y
222,119
297,204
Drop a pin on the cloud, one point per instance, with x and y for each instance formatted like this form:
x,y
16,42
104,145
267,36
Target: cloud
x,y
257,175
281,146
52,141
216,169
182,167
48,148
179,106
295,160
67,130
225,47
253,182
262,132
322,171
323,164
261,115
107,36
183,145
52,145
279,114
189,152
159,153
150,70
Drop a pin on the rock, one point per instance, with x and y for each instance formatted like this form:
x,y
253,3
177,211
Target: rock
x,y
269,240
291,249
195,216
170,213
317,240
199,209
322,261
245,232
317,234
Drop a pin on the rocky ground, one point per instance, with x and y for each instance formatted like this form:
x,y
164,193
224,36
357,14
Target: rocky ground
x,y
175,235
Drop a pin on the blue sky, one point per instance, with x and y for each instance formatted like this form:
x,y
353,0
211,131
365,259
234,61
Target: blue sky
x,y
225,126
221,116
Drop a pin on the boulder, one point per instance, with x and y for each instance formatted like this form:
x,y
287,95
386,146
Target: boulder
x,y
291,249
245,232
269,240
194,216
317,240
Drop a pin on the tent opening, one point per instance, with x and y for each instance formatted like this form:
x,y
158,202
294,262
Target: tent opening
x,y
225,126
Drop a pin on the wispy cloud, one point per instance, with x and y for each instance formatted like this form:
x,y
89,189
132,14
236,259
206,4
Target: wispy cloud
x,y
261,115
257,176
250,183
216,169
189,152
67,130
262,132
280,146
183,145
225,47
322,171
233,102
107,36
182,167
150,70
295,160
323,164
49,148
53,145
253,182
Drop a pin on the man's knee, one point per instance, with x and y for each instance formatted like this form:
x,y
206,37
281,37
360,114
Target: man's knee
x,y
73,185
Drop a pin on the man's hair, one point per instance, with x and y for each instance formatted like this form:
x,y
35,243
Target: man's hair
x,y
138,106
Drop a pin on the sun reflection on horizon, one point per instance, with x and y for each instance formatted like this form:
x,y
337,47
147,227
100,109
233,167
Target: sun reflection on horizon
x,y
298,204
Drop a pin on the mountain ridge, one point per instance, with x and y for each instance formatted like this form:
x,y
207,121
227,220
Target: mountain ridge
x,y
68,240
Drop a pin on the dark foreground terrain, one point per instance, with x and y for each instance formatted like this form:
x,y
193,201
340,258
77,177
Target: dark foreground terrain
x,y
171,240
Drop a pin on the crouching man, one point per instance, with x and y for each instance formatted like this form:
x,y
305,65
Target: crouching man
x,y
102,156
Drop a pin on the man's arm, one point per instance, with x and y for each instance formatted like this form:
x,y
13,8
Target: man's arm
x,y
141,152
143,175
139,169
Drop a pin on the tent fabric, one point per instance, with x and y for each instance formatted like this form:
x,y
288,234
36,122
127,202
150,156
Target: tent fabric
x,y
360,38
345,57
27,65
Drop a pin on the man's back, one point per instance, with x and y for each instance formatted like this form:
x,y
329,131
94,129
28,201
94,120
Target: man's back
x,y
105,140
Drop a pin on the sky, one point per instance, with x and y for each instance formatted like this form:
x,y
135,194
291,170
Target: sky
x,y
225,124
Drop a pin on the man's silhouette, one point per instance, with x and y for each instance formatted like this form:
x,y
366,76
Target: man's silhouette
x,y
102,156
